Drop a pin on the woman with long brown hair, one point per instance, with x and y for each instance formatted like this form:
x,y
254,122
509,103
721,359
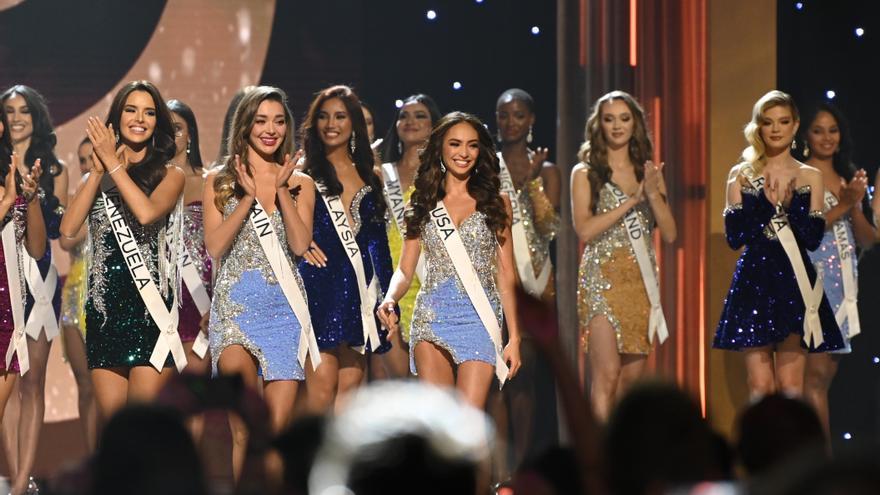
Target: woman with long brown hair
x,y
460,220
344,278
618,197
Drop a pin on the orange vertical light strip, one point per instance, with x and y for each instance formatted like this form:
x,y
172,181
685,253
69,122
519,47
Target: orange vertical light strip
x,y
583,33
658,122
702,322
633,32
680,336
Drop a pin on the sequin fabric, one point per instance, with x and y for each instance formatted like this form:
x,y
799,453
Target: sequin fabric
x,y
7,325
395,243
610,282
73,294
121,332
194,243
334,299
249,308
444,314
541,223
764,305
829,257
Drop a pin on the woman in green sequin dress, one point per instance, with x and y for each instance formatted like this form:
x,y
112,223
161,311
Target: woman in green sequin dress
x,y
121,333
613,307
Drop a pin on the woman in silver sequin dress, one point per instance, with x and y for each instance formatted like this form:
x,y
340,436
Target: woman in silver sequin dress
x,y
613,307
449,345
253,329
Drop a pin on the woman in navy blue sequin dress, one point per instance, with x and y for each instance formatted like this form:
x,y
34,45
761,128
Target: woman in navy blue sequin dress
x,y
339,158
764,309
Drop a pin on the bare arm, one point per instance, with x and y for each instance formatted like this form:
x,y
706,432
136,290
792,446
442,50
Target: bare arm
x,y
297,216
586,224
69,243
400,282
220,232
35,229
149,209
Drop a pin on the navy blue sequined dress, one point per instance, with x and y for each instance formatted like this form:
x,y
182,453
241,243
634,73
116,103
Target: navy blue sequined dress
x,y
334,299
764,304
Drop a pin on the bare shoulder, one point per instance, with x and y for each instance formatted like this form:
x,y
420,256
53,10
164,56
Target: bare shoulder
x,y
298,178
581,167
735,171
809,174
173,167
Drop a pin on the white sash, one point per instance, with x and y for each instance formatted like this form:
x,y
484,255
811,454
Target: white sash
x,y
193,282
521,252
18,344
476,292
169,339
396,205
811,295
43,313
274,252
368,293
848,309
637,239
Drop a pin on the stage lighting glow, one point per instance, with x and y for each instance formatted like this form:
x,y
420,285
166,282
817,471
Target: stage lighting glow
x,y
398,103
536,30
830,94
847,436
799,5
479,1
860,32
456,85
876,360
431,15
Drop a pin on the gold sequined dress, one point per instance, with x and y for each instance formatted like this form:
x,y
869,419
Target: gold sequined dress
x,y
73,294
610,282
541,223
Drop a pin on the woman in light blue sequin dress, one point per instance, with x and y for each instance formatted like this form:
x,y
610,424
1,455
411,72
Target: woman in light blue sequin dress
x,y
252,328
824,143
449,344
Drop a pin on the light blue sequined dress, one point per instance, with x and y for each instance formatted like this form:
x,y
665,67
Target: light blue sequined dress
x,y
443,313
249,309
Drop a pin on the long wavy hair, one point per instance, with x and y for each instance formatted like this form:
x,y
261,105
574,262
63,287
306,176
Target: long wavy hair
x,y
160,147
194,157
594,151
483,185
842,159
391,149
227,124
756,152
43,141
316,163
226,182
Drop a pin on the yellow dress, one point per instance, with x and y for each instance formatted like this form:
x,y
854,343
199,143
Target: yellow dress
x,y
408,301
73,294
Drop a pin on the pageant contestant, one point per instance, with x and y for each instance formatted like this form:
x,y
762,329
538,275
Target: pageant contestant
x,y
32,137
194,264
458,217
351,265
73,317
131,199
258,215
618,198
403,142
776,303
825,142
22,230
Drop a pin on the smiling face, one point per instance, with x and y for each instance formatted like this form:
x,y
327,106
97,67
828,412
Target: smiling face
x,y
371,129
334,124
823,136
461,148
617,123
19,118
138,120
181,134
84,154
778,127
514,120
414,124
269,128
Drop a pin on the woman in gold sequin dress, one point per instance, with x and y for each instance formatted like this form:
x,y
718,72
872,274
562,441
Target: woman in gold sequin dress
x,y
613,307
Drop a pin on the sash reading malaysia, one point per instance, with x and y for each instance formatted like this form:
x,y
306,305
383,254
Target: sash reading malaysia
x,y
396,205
812,296
16,299
465,269
368,293
193,282
169,339
284,274
521,252
848,310
656,321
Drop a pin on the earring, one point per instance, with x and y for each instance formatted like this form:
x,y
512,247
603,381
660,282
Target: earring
x,y
187,146
442,167
806,149
351,142
117,136
399,147
529,136
793,145
498,137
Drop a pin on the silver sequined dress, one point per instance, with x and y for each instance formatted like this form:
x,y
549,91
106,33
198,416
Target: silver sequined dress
x,y
249,309
444,314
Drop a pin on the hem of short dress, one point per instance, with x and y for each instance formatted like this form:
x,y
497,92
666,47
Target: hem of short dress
x,y
741,348
439,343
105,366
248,346
586,345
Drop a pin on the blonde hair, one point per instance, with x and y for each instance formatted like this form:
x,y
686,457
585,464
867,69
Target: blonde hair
x,y
225,183
755,153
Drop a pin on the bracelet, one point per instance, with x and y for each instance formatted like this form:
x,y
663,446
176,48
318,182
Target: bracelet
x,y
115,169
